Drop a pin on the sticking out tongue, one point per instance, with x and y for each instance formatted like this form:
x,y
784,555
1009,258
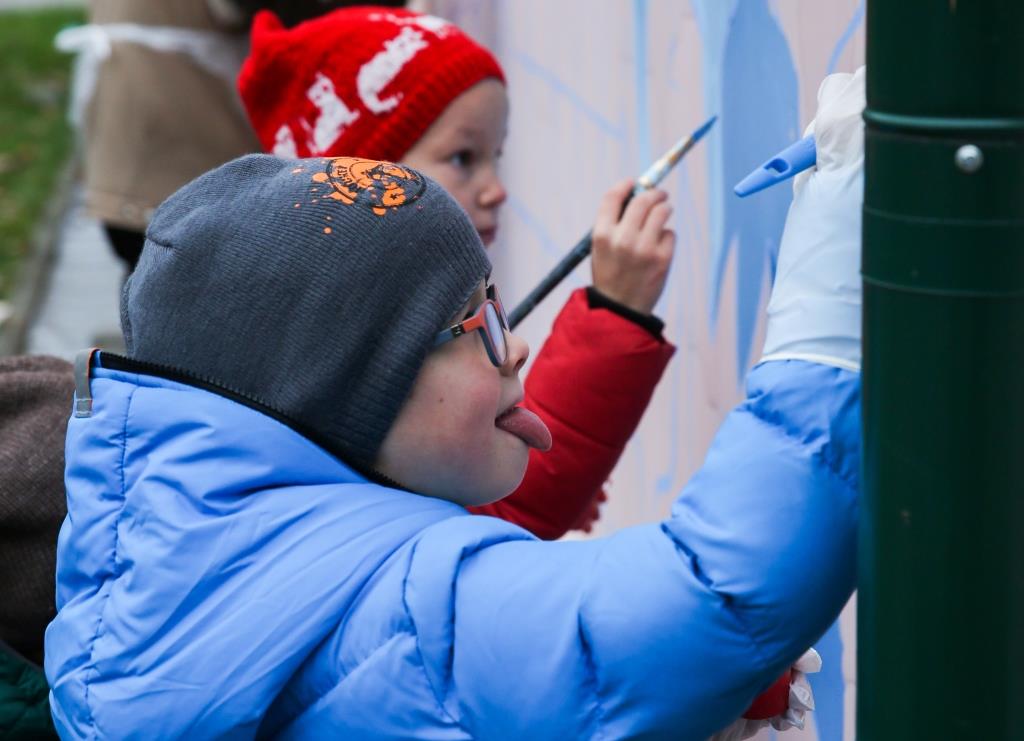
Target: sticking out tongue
x,y
527,426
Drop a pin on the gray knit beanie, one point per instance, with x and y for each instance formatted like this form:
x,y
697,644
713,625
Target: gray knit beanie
x,y
310,288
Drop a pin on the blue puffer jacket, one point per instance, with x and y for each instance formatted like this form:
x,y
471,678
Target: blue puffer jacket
x,y
221,576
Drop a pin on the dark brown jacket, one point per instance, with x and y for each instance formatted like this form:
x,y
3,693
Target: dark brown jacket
x,y
35,404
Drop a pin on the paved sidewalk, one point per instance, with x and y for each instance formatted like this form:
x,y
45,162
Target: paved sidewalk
x,y
80,307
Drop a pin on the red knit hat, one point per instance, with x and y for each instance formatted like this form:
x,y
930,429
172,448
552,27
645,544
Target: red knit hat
x,y
364,81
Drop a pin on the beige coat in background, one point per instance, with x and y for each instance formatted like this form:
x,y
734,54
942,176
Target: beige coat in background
x,y
158,119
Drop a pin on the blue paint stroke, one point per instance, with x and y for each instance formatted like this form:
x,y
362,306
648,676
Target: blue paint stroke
x,y
759,114
673,81
643,122
538,70
713,18
686,225
643,135
851,29
829,687
536,227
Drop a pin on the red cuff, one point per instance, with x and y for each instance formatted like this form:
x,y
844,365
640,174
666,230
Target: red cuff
x,y
773,701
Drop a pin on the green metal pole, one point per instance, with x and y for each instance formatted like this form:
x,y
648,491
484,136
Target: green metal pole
x,y
941,594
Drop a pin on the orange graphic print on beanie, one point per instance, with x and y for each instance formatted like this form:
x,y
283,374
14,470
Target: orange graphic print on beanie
x,y
384,185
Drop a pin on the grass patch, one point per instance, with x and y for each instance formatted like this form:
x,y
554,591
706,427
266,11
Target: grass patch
x,y
35,139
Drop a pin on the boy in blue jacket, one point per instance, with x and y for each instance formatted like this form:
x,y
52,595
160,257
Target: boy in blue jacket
x,y
266,533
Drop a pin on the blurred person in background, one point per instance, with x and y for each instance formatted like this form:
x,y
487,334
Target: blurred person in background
x,y
35,401
155,98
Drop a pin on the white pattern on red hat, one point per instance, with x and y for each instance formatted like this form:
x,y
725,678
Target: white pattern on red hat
x,y
397,70
284,143
432,23
334,114
378,73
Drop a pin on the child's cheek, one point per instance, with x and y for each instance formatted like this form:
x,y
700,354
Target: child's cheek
x,y
462,412
480,407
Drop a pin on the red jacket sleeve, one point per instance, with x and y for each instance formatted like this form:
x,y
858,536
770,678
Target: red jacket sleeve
x,y
590,384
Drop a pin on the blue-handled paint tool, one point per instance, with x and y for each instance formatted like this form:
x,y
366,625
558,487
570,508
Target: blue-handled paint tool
x,y
794,159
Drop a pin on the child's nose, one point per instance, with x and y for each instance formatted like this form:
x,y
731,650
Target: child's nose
x,y
518,352
493,194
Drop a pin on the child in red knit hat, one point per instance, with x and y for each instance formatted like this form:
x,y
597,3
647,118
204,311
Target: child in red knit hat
x,y
391,84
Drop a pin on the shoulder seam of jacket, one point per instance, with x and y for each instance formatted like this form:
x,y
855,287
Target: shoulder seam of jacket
x,y
419,649
591,667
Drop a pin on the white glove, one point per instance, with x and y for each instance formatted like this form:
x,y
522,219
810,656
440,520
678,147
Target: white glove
x,y
814,313
801,700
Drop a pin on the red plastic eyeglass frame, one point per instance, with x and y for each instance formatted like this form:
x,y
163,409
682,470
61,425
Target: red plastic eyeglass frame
x,y
478,321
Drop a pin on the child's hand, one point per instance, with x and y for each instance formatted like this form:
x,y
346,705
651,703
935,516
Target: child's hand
x,y
631,255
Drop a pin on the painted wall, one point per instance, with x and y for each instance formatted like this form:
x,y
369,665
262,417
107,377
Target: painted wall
x,y
599,89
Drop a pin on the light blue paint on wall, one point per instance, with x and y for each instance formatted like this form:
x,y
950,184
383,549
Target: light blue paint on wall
x,y
687,224
640,85
713,18
537,228
750,81
851,29
529,65
759,102
643,138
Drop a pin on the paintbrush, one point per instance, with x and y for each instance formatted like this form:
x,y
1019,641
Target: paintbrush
x,y
651,177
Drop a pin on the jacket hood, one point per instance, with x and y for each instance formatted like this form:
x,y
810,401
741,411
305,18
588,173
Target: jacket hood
x,y
191,519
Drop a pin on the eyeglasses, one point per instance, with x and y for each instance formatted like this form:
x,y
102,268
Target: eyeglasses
x,y
490,319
